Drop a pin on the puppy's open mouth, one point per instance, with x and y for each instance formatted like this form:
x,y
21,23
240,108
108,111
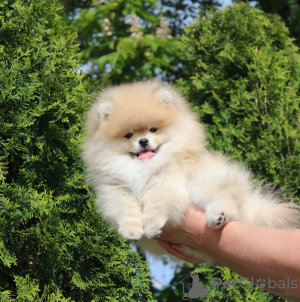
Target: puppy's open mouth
x,y
145,153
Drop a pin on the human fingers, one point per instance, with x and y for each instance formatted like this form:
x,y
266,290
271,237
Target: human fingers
x,y
177,251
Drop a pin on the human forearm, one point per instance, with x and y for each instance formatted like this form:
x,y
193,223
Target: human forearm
x,y
258,252
251,251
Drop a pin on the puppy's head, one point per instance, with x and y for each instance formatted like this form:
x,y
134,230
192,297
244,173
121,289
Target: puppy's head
x,y
141,120
136,122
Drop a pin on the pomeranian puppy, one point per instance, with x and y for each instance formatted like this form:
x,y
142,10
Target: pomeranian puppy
x,y
146,158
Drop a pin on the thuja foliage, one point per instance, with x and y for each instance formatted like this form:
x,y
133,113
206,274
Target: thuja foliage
x,y
243,78
288,10
53,246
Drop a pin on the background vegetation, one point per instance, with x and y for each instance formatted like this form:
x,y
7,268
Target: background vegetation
x,y
242,77
288,10
238,67
53,246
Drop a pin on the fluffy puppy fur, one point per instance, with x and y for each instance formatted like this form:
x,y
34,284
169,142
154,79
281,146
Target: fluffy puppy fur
x,y
146,158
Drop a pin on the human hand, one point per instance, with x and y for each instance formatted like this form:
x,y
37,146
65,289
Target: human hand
x,y
192,232
177,251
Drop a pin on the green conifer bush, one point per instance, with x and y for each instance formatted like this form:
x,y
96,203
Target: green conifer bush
x,y
243,79
53,245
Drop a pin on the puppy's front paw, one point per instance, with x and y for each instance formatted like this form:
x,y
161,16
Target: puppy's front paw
x,y
131,230
216,221
153,226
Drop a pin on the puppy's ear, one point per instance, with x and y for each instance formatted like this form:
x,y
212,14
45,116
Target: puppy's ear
x,y
104,111
165,97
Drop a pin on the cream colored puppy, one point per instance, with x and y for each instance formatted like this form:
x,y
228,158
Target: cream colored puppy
x,y
146,158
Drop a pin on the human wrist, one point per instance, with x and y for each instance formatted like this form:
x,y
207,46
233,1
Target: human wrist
x,y
219,244
210,240
200,236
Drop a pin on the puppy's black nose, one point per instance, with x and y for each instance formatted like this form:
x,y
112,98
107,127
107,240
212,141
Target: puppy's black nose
x,y
143,142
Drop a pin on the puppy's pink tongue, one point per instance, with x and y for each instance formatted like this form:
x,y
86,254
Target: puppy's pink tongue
x,y
145,154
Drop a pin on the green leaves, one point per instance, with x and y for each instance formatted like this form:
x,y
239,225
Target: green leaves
x,y
53,244
243,80
123,41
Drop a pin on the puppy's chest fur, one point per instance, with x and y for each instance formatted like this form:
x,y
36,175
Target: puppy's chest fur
x,y
138,176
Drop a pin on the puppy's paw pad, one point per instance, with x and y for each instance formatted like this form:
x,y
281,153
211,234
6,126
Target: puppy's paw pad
x,y
216,221
131,232
153,227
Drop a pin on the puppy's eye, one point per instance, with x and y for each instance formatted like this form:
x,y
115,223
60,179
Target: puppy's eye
x,y
128,135
153,129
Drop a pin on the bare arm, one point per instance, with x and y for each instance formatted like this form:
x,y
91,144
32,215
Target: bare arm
x,y
250,251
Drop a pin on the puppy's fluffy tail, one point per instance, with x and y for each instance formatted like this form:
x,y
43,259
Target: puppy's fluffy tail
x,y
269,209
